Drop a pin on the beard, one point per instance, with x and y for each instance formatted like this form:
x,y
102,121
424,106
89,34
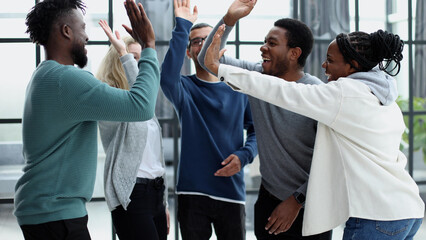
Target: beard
x,y
79,55
277,70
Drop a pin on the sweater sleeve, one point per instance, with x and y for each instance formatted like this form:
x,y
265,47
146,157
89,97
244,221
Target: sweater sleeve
x,y
320,102
247,153
171,83
130,66
84,98
251,66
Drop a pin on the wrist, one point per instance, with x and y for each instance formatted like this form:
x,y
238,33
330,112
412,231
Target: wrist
x,y
214,68
149,45
122,53
229,21
300,198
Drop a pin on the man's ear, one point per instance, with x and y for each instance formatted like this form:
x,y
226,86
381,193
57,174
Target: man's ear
x,y
295,53
66,31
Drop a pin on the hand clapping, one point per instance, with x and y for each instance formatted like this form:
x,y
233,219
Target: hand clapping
x,y
141,30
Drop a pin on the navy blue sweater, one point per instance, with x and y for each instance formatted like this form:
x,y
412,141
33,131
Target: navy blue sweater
x,y
213,119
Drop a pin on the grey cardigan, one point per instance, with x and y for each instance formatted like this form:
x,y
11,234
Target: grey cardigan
x,y
124,144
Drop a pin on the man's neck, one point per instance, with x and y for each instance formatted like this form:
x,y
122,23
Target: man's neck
x,y
204,75
293,76
58,56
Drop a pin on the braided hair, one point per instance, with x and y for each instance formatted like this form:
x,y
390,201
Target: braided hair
x,y
368,50
42,16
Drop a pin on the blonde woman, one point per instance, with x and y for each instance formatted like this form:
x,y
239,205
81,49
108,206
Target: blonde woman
x,y
134,175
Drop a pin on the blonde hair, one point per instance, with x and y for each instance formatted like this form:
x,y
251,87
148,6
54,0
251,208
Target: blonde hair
x,y
111,70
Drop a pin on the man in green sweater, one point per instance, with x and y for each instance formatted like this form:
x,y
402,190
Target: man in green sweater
x,y
63,104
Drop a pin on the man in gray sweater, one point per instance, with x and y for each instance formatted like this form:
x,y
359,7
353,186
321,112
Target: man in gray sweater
x,y
285,139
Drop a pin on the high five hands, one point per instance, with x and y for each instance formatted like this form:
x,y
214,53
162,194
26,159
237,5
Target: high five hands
x,y
183,10
116,40
213,53
141,30
238,10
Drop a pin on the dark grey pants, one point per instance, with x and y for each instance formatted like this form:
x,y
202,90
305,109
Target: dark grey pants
x,y
197,214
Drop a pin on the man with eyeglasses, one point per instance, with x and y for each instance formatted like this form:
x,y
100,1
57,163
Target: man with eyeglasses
x,y
210,187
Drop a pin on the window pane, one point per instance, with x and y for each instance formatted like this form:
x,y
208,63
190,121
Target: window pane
x,y
419,20
402,79
370,20
419,155
398,18
419,70
256,26
230,50
18,63
255,29
95,11
13,16
250,53
95,54
10,132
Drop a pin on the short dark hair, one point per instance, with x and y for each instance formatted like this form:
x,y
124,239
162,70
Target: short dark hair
x,y
298,35
371,49
42,16
197,26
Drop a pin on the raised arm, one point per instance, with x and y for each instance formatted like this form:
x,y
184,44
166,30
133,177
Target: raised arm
x,y
141,30
171,69
102,102
238,10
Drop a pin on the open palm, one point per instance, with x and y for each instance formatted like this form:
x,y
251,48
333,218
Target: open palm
x,y
116,40
241,8
183,10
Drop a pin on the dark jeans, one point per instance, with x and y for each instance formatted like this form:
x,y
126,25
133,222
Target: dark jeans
x,y
197,213
364,229
145,217
69,229
265,205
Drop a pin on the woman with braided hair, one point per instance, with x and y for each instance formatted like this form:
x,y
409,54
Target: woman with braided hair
x,y
358,174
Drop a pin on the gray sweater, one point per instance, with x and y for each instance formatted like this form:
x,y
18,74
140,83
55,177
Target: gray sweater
x,y
285,139
124,144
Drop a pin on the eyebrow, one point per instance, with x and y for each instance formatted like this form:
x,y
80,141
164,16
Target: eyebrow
x,y
271,38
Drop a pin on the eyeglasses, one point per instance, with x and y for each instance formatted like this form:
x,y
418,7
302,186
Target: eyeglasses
x,y
195,42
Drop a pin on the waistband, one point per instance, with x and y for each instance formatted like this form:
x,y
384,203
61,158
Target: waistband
x,y
157,183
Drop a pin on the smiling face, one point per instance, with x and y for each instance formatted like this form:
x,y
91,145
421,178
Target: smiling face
x,y
275,53
194,49
80,38
335,65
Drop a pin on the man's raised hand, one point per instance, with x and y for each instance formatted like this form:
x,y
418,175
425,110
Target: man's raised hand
x,y
141,30
183,10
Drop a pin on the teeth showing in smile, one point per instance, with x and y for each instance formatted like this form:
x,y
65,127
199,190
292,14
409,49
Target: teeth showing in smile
x,y
266,59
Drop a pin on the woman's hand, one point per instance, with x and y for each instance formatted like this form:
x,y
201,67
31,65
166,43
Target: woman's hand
x,y
116,40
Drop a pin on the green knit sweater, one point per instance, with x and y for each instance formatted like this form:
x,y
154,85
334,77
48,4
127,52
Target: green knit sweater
x,y
62,107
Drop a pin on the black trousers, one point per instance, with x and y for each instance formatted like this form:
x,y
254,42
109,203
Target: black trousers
x,y
69,229
265,205
145,217
197,214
